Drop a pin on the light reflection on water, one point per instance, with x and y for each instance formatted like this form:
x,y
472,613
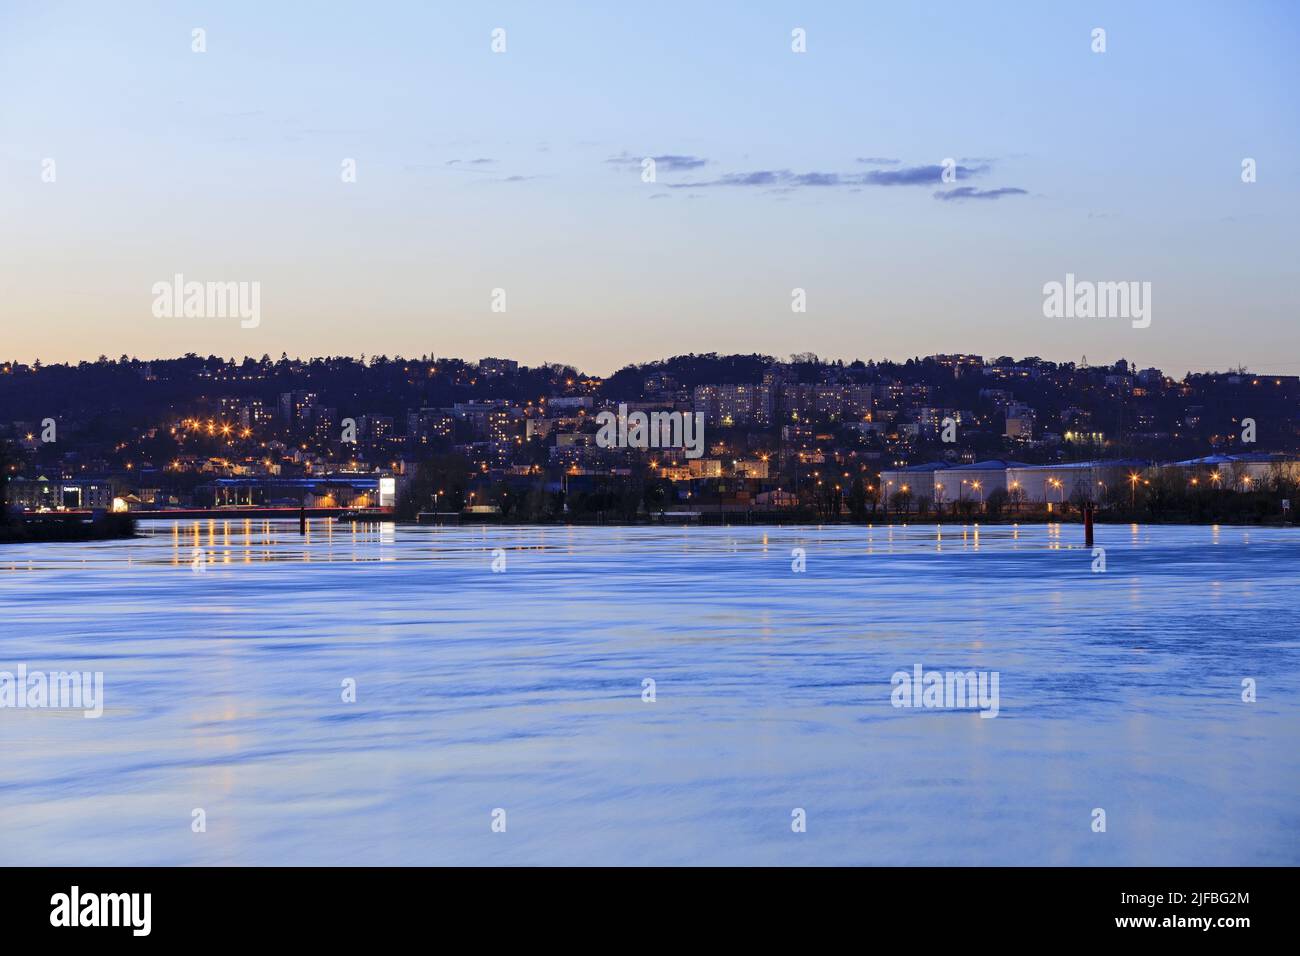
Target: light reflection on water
x,y
522,690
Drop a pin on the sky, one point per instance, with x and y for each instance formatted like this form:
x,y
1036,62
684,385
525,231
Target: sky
x,y
777,170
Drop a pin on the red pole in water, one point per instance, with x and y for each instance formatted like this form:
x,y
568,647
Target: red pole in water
x,y
1087,525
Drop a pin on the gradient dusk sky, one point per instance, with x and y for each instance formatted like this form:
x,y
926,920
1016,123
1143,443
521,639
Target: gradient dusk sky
x,y
522,171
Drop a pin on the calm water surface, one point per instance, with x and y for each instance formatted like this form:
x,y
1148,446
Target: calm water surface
x,y
522,690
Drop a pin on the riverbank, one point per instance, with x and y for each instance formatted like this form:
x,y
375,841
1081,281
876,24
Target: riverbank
x,y
114,526
41,528
787,518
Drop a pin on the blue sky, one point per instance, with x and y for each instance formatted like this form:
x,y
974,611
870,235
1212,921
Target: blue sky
x,y
521,171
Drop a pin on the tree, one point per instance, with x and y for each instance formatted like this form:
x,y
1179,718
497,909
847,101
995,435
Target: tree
x,y
439,483
5,460
658,495
504,499
857,499
996,501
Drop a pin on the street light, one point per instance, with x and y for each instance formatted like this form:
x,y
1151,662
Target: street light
x,y
1060,487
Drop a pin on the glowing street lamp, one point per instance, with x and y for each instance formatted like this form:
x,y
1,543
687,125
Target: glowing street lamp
x,y
1060,487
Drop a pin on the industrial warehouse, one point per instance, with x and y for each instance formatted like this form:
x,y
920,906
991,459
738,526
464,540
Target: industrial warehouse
x,y
1104,482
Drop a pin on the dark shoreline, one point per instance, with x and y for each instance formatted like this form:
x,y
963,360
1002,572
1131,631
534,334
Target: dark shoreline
x,y
123,527
109,527
879,520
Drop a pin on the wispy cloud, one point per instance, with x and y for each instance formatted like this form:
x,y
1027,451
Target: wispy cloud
x,y
484,169
783,182
670,162
903,176
970,192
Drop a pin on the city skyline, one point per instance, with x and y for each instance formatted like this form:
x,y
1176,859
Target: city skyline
x,y
820,171
739,432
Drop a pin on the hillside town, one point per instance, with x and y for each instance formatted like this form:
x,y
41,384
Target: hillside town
x,y
953,434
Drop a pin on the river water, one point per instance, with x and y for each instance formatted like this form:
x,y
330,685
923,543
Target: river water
x,y
505,716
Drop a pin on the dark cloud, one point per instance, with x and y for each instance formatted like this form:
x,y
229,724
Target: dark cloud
x,y
917,175
762,177
970,192
817,179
